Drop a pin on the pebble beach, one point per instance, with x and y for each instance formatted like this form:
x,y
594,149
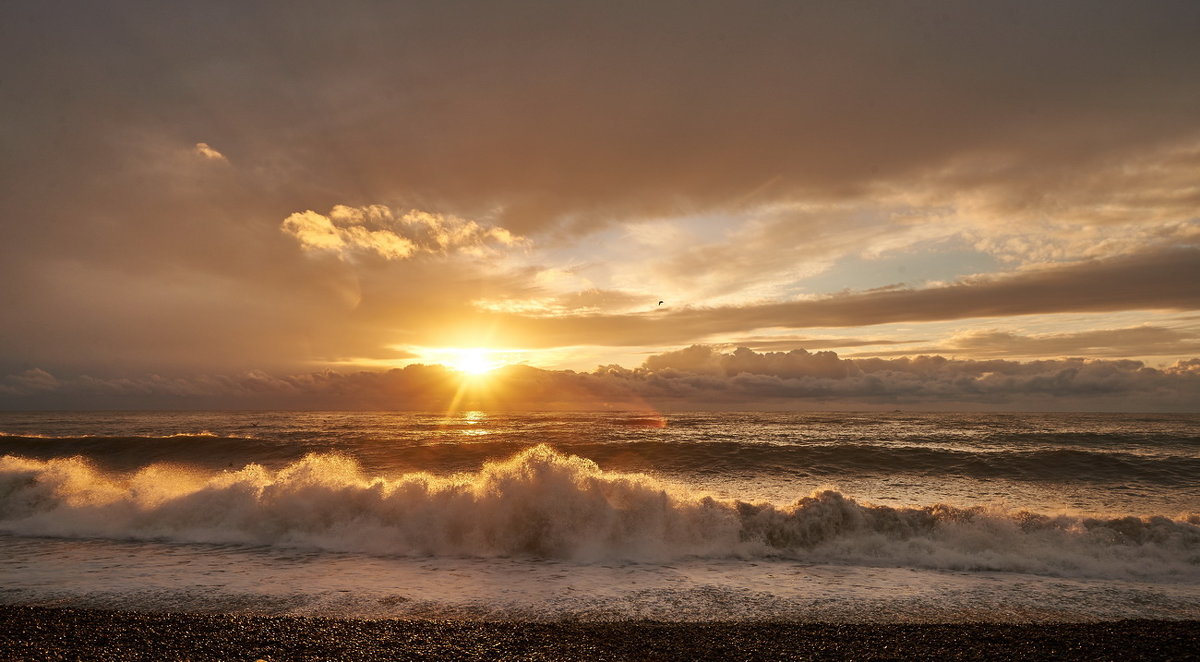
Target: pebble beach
x,y
48,633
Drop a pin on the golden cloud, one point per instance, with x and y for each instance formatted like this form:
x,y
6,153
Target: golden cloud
x,y
208,152
350,231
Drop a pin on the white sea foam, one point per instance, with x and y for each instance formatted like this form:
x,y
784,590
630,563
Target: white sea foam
x,y
150,576
542,504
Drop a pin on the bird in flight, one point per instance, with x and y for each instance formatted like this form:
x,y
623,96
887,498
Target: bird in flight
x,y
660,303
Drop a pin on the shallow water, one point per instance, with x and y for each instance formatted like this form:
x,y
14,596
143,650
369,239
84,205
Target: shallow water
x,y
203,578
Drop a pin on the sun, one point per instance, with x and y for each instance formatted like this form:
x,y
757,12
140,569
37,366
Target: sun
x,y
473,361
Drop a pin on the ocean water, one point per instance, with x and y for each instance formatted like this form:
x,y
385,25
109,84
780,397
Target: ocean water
x,y
759,516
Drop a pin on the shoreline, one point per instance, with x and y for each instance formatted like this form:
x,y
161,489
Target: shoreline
x,y
54,633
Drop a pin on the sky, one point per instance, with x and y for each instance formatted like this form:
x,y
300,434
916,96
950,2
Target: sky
x,y
661,204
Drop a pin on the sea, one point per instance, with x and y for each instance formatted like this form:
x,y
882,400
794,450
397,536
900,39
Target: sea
x,y
816,517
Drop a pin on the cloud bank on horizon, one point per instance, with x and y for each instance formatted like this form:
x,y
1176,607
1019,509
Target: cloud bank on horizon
x,y
696,377
293,188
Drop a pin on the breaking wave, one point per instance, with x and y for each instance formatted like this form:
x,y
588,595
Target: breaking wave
x,y
543,504
1156,466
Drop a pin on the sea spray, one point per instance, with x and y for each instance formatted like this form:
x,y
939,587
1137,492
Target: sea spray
x,y
540,503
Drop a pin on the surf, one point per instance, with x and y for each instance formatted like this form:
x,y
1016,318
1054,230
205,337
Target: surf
x,y
541,503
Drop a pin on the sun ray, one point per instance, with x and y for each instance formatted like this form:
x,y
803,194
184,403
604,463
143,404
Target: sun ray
x,y
473,364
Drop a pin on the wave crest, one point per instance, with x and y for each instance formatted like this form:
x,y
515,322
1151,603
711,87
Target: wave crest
x,y
542,503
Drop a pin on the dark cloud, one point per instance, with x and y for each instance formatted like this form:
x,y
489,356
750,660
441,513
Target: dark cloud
x,y
1144,340
698,377
591,109
416,387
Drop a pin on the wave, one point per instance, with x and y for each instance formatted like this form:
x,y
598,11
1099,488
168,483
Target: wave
x,y
540,503
205,449
33,435
1050,464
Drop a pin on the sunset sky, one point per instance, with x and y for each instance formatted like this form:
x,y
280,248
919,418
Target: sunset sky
x,y
276,204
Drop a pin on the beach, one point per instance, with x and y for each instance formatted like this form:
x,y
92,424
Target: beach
x,y
281,536
43,633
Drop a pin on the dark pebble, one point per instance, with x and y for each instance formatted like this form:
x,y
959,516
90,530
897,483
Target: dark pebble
x,y
44,633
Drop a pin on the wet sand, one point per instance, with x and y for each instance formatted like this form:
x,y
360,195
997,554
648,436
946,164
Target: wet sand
x,y
42,633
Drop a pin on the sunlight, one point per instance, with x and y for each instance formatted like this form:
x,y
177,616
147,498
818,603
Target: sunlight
x,y
473,365
471,361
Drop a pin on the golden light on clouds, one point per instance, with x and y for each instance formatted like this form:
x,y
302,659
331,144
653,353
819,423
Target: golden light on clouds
x,y
393,234
203,149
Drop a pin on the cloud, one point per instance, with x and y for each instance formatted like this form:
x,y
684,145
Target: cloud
x,y
699,377
1154,184
485,110
1142,340
701,374
1163,280
583,302
783,342
33,380
350,231
416,387
209,153
720,165
703,359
